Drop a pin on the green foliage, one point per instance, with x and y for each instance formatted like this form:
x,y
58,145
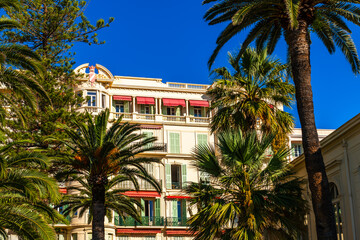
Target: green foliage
x,y
249,196
249,95
81,202
103,155
269,20
25,194
51,28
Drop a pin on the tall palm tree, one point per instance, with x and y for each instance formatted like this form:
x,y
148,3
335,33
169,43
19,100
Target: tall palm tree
x,y
250,197
251,95
25,194
115,200
100,151
296,20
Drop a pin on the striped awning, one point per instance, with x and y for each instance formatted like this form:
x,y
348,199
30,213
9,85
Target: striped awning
x,y
178,197
145,100
137,231
141,194
122,98
179,232
170,102
199,103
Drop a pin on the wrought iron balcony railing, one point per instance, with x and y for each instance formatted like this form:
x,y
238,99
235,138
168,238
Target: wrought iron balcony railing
x,y
176,221
145,221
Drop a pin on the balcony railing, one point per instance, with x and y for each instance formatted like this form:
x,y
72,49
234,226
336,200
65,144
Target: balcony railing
x,y
145,116
176,221
200,119
143,185
160,147
176,185
171,118
125,115
92,109
145,221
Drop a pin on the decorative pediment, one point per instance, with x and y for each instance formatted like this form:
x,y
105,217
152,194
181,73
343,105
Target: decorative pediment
x,y
94,74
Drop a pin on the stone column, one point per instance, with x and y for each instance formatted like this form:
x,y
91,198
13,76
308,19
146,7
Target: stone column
x,y
156,107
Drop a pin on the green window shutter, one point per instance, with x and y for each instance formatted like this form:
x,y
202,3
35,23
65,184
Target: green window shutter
x,y
174,142
142,109
164,110
192,111
152,109
116,218
183,174
174,208
205,177
149,135
113,106
143,205
183,209
178,111
203,112
168,175
202,139
157,207
126,107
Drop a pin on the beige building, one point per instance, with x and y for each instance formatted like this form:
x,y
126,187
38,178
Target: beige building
x,y
177,114
341,151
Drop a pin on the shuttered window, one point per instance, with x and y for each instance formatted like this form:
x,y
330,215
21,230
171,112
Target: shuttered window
x,y
202,139
174,142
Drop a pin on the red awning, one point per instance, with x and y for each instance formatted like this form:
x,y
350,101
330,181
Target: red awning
x,y
199,103
137,231
122,98
139,194
145,100
173,102
63,190
150,126
179,232
178,197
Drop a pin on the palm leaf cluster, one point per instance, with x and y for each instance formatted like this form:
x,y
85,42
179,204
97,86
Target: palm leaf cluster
x,y
26,193
79,200
249,197
103,154
267,21
252,94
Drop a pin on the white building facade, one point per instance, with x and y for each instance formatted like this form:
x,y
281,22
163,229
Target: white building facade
x,y
177,114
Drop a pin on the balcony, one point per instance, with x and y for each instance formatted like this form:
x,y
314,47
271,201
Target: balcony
x,y
126,116
176,185
172,118
143,185
145,221
176,221
199,119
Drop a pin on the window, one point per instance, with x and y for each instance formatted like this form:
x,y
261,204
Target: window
x,y
74,236
171,111
297,150
202,139
197,112
60,237
174,142
149,135
176,176
119,108
178,213
89,236
336,203
103,100
92,99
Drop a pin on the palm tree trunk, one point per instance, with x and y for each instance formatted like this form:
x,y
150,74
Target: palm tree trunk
x,y
299,51
98,230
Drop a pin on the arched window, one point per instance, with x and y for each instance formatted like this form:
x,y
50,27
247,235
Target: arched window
x,y
336,203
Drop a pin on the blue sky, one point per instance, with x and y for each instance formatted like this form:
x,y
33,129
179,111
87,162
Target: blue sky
x,y
168,39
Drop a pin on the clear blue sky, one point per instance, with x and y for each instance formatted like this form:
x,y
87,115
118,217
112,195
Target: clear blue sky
x,y
168,39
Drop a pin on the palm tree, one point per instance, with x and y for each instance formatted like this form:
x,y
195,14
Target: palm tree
x,y
267,21
251,95
115,200
250,197
25,194
19,68
100,152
